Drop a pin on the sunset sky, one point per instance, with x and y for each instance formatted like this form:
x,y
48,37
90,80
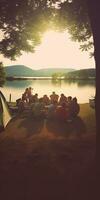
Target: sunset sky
x,y
56,50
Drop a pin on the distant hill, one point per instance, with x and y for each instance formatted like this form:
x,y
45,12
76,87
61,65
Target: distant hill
x,y
18,70
49,71
24,71
81,74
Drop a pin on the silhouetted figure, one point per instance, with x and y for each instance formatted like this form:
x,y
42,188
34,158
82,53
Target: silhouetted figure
x,y
46,99
37,109
29,93
21,106
75,108
63,99
25,95
62,113
52,110
69,100
34,98
54,97
18,101
69,106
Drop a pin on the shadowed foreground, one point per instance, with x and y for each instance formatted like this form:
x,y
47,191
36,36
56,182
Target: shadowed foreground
x,y
48,160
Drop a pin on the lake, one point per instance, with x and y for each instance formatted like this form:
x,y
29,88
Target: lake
x,y
82,89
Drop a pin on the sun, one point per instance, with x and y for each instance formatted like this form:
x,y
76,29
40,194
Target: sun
x,y
54,40
53,48
54,36
55,51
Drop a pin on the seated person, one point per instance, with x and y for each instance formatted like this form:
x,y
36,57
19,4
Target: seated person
x,y
75,108
69,104
21,105
62,113
34,98
51,110
46,100
54,97
38,108
63,99
29,93
25,95
18,101
69,100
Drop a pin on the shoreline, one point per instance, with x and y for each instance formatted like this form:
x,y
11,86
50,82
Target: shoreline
x,y
49,78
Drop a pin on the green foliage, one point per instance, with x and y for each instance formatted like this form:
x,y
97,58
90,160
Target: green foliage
x,y
2,74
73,16
56,76
23,22
76,16
81,74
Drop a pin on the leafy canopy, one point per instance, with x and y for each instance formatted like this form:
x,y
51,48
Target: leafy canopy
x,y
73,15
23,22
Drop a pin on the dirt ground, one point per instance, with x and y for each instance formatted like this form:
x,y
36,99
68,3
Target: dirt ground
x,y
47,159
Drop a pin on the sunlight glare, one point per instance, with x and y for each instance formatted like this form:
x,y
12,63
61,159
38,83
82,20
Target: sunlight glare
x,y
56,50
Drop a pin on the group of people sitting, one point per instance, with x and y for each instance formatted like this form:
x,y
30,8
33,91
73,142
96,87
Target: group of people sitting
x,y
53,107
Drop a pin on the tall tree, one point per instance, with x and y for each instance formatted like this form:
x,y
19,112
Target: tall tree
x,y
94,14
81,18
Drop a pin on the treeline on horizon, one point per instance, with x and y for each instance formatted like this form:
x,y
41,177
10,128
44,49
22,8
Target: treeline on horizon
x,y
81,74
24,71
55,73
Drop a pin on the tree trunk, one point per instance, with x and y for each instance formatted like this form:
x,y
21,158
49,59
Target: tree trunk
x,y
94,14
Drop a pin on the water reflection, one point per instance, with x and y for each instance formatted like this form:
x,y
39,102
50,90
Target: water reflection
x,y
56,82
81,83
18,84
82,89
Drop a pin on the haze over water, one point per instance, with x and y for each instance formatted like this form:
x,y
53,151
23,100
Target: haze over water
x,y
83,90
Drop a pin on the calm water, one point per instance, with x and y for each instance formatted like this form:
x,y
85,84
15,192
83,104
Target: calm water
x,y
83,90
